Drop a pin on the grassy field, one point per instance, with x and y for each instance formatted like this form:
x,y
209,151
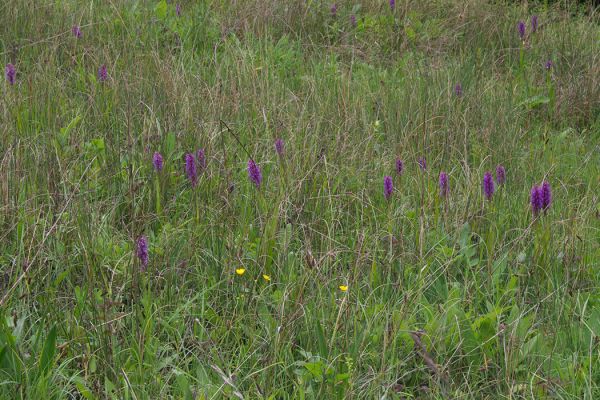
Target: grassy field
x,y
144,256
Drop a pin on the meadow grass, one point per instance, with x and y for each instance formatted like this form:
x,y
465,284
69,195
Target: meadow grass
x,y
313,284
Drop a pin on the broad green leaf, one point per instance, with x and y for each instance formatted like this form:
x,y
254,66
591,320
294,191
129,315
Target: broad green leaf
x,y
161,10
81,386
64,132
47,357
170,143
534,101
321,338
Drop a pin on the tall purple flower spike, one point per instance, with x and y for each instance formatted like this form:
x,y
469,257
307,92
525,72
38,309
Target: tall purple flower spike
x,y
500,175
76,31
535,199
388,187
10,73
142,251
444,188
353,20
102,73
190,169
546,195
157,161
458,91
488,185
399,166
521,29
201,157
534,23
254,173
279,146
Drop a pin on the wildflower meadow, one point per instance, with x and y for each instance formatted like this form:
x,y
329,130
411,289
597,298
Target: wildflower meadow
x,y
265,199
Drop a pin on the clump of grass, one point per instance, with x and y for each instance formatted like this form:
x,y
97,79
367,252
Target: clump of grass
x,y
270,263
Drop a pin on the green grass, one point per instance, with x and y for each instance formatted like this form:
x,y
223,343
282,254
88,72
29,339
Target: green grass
x,y
457,298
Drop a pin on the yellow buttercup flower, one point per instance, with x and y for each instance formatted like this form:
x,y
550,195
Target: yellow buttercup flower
x,y
343,288
267,278
240,271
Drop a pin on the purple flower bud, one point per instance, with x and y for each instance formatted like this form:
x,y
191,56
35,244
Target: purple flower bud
x,y
458,90
534,23
333,10
201,157
76,31
190,169
521,28
422,163
279,146
546,195
353,20
392,4
10,72
157,161
488,185
178,9
102,74
142,251
254,173
388,187
444,184
535,199
500,175
548,65
399,166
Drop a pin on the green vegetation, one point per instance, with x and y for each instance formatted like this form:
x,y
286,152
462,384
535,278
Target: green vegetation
x,y
339,292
